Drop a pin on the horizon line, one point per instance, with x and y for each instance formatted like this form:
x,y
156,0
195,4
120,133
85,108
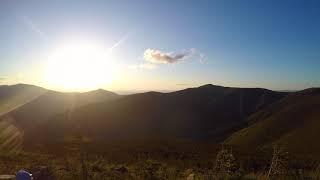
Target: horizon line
x,y
134,91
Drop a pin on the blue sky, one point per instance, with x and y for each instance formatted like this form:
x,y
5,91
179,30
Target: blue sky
x,y
246,43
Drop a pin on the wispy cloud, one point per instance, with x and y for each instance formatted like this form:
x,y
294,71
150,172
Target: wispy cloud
x,y
160,57
2,79
156,56
123,39
202,57
34,27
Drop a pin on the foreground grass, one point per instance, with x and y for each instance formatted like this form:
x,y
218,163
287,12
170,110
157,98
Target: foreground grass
x,y
141,161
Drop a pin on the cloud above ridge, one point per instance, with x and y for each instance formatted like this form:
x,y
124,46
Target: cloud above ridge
x,y
155,57
159,57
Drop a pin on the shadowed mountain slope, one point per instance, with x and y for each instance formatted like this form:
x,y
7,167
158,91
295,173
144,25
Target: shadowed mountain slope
x,y
12,97
205,113
293,122
52,103
24,107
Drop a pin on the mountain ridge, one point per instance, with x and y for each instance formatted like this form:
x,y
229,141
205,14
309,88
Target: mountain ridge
x,y
196,113
291,122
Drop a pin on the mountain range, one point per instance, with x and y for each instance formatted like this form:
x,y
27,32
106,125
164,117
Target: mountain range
x,y
244,117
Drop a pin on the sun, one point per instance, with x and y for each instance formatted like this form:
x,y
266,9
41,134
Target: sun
x,y
79,66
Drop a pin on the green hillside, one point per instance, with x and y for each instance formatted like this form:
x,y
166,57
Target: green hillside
x,y
292,122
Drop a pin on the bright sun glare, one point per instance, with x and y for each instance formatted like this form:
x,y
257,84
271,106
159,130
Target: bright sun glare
x,y
79,66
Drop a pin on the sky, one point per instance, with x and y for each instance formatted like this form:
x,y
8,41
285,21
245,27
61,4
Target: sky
x,y
160,45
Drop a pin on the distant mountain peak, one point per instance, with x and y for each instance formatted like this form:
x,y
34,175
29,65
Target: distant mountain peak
x,y
210,86
101,91
21,85
310,91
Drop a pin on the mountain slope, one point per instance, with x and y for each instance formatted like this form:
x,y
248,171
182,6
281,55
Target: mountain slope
x,y
12,97
293,122
205,113
24,107
52,103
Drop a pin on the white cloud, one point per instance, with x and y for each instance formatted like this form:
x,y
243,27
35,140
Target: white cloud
x,y
155,57
160,57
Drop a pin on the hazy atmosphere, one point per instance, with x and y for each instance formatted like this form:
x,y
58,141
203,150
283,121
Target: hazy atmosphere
x,y
159,89
160,45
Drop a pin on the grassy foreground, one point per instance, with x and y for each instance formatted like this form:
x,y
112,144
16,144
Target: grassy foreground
x,y
147,160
